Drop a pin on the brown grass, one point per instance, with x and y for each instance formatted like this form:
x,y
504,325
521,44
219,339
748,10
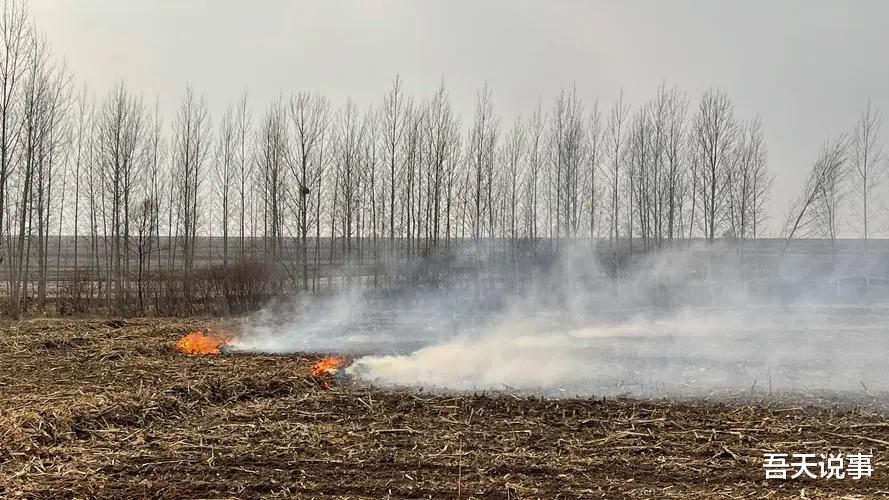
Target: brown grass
x,y
109,409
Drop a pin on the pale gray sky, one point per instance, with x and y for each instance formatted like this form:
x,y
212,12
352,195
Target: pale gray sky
x,y
807,67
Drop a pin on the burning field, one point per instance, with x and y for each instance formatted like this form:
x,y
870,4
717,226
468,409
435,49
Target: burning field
x,y
141,409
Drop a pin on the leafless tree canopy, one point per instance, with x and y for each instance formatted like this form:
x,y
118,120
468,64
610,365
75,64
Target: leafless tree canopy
x,y
814,212
869,166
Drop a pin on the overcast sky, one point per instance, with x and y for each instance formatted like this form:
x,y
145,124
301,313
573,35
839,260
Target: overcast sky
x,y
807,67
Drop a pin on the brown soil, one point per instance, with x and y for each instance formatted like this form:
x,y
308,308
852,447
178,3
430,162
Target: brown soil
x,y
109,409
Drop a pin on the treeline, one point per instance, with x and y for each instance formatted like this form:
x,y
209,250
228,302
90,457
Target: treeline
x,y
394,182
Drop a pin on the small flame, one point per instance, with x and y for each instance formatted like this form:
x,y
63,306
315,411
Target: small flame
x,y
330,365
202,343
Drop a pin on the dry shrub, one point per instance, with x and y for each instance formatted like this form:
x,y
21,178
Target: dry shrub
x,y
248,286
74,297
236,288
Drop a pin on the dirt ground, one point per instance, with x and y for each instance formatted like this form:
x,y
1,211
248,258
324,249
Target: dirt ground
x,y
92,408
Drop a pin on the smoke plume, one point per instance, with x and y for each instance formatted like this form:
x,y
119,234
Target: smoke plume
x,y
682,323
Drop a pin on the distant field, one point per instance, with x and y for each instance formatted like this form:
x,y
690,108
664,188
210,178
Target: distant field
x,y
695,271
806,253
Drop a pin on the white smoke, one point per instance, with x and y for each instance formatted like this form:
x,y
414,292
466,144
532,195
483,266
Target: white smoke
x,y
569,334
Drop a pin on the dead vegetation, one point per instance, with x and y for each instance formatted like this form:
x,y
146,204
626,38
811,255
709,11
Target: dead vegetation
x,y
110,409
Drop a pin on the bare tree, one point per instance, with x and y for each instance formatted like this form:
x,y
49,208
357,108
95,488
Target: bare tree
x,y
191,149
368,203
828,204
14,64
565,147
395,122
322,161
657,178
121,130
145,216
807,215
243,158
513,159
535,161
675,156
412,182
714,133
350,131
762,187
868,166
482,149
43,107
593,158
454,156
157,180
749,181
80,158
639,153
309,117
272,151
51,142
440,134
95,201
226,175
614,140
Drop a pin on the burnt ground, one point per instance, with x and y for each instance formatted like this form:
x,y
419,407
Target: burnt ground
x,y
92,408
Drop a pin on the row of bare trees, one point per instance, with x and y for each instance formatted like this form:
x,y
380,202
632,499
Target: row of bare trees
x,y
34,105
314,193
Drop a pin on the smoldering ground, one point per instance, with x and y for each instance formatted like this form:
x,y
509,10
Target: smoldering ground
x,y
714,319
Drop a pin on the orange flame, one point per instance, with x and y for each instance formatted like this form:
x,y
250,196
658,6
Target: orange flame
x,y
330,365
202,343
